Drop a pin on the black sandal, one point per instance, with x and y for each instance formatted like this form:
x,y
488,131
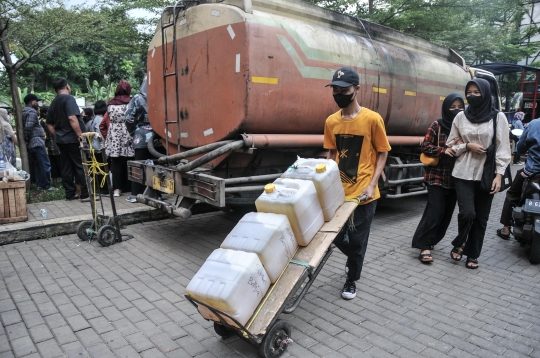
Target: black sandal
x,y
423,257
502,236
471,261
456,250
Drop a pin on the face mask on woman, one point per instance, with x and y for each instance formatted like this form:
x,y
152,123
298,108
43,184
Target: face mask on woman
x,y
474,101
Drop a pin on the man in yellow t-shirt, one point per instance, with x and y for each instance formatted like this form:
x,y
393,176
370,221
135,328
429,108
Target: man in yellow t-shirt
x,y
357,141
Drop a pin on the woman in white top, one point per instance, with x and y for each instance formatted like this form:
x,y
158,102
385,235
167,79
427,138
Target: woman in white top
x,y
474,127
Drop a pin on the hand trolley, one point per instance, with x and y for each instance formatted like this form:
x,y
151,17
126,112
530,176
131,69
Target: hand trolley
x,y
264,330
95,164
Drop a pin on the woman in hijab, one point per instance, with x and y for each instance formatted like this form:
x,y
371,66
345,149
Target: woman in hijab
x,y
119,143
474,129
439,181
8,139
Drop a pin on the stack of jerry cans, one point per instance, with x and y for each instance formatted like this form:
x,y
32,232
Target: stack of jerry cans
x,y
291,210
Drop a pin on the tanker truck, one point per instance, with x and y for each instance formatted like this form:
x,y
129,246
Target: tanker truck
x,y
236,91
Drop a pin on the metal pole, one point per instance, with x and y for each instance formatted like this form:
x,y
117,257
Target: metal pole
x,y
535,96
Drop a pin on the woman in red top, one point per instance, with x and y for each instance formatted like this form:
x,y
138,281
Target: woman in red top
x,y
439,181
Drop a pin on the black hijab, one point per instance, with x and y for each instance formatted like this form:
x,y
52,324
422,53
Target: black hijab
x,y
485,111
447,117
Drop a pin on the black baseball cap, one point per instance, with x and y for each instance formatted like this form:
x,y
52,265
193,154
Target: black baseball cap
x,y
345,77
31,97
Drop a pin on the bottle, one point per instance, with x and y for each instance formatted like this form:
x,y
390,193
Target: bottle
x,y
2,168
44,213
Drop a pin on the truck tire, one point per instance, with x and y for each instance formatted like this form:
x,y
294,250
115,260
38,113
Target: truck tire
x,y
534,257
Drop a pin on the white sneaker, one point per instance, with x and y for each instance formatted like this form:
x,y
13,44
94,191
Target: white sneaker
x,y
349,290
117,192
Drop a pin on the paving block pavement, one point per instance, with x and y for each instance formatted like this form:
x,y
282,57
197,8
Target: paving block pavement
x,y
62,297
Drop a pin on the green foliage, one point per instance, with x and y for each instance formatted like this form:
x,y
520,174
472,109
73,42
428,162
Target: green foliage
x,y
479,30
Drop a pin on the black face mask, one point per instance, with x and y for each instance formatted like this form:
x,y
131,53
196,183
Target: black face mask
x,y
454,112
343,100
474,101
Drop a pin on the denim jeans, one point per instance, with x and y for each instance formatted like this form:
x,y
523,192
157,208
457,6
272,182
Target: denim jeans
x,y
355,247
42,166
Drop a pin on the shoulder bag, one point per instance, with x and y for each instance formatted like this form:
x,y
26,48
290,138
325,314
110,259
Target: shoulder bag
x,y
490,166
431,161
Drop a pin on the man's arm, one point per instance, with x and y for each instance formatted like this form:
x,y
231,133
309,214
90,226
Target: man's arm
x,y
379,167
74,122
51,129
332,153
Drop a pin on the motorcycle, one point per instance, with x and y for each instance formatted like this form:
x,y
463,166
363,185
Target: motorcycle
x,y
526,217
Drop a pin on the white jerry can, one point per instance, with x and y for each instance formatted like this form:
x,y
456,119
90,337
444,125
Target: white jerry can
x,y
268,235
298,200
231,281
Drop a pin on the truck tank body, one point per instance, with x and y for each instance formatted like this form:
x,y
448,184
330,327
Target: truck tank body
x,y
262,66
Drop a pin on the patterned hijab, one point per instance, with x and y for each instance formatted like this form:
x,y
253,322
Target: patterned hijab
x,y
122,94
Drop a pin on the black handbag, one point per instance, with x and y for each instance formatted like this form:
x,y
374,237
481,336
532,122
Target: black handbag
x,y
490,166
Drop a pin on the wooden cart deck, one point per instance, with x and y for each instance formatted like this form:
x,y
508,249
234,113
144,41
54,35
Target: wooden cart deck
x,y
312,254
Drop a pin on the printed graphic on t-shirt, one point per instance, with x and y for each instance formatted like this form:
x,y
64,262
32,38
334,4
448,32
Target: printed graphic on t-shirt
x,y
349,148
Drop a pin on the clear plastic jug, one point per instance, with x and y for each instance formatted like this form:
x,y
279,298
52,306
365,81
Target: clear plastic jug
x,y
324,173
298,200
270,236
231,281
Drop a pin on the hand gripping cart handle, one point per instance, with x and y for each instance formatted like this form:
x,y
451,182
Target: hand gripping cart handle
x,y
264,330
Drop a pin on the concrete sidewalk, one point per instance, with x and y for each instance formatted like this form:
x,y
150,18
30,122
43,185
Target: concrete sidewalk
x,y
64,216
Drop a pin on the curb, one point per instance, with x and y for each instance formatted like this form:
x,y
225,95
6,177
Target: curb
x,y
34,230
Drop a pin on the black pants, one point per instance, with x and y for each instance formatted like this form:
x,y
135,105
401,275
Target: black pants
x,y
437,216
474,207
355,247
120,173
513,196
71,167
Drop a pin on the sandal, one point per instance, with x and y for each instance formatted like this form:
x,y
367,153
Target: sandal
x,y
425,258
502,236
456,250
474,263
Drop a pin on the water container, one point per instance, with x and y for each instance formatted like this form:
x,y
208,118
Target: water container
x,y
231,281
297,199
324,173
269,236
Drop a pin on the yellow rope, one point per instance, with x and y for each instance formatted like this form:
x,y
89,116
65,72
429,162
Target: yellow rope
x,y
94,168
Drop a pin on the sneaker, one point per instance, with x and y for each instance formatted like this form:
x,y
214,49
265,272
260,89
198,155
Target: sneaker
x,y
347,267
51,188
117,192
131,199
349,290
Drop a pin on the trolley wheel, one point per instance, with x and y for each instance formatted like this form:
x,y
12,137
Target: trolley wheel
x,y
276,340
223,331
106,235
82,232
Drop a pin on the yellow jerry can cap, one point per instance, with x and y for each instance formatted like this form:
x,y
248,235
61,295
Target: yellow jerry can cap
x,y
269,188
320,168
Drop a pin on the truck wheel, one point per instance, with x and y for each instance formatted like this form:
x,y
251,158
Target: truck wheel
x,y
534,257
82,229
223,331
276,340
106,235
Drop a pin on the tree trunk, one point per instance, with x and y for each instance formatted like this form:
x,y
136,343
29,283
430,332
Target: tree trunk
x,y
16,101
370,6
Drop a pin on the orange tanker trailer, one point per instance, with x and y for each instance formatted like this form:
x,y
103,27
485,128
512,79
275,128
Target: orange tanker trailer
x,y
239,85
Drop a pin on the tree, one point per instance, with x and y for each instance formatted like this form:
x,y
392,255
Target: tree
x,y
27,29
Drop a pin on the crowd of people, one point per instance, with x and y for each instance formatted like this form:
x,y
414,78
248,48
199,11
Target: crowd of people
x,y
53,135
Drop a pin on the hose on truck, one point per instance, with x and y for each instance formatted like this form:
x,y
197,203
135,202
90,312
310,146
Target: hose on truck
x,y
211,156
